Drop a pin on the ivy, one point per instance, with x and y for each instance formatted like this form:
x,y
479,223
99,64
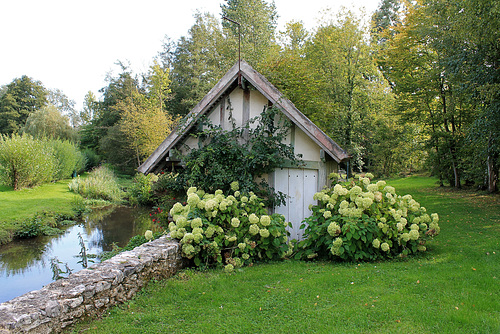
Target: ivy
x,y
244,154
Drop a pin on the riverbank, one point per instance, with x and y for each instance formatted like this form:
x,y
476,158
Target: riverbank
x,y
53,203
44,209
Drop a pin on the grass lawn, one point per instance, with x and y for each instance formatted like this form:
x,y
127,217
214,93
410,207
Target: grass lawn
x,y
22,204
452,288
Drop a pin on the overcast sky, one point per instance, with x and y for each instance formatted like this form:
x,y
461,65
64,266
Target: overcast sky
x,y
72,44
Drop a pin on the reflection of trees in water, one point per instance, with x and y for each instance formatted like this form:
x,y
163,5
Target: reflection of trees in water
x,y
16,258
19,256
116,225
93,218
102,227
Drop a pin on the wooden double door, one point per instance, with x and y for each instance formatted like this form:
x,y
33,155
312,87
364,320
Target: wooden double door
x,y
300,185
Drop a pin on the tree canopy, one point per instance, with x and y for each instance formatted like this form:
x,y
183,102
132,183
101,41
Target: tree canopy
x,y
416,89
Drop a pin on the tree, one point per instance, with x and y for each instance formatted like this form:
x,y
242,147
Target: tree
x,y
48,122
294,74
131,121
258,21
436,64
200,60
340,54
118,89
90,108
158,85
467,33
144,121
144,125
57,98
101,133
384,19
22,97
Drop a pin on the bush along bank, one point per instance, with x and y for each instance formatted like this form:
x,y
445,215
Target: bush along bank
x,y
41,223
26,162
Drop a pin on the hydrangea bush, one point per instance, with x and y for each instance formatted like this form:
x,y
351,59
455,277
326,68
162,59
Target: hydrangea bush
x,y
234,230
361,220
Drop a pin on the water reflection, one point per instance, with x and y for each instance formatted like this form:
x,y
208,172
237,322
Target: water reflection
x,y
25,264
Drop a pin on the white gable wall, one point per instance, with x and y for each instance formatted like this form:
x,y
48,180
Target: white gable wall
x,y
257,103
306,146
234,106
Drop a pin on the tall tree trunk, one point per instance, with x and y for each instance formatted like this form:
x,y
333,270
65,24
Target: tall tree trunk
x,y
492,174
456,175
15,179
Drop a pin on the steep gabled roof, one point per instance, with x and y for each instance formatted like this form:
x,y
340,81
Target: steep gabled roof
x,y
226,84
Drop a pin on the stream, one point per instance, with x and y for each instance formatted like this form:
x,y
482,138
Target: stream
x,y
25,265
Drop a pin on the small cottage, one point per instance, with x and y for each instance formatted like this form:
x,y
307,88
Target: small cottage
x,y
247,93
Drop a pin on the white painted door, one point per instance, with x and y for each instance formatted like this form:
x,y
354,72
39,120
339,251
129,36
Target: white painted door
x,y
300,186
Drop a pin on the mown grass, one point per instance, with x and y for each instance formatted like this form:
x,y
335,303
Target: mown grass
x,y
453,288
20,204
16,206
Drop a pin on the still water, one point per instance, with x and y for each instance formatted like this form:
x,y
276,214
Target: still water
x,y
25,264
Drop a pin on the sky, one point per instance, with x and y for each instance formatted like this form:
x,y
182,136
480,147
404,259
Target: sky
x,y
72,44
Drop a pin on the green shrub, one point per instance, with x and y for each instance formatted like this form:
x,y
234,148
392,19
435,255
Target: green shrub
x,y
91,159
234,230
140,192
69,159
29,228
44,223
25,162
361,220
101,183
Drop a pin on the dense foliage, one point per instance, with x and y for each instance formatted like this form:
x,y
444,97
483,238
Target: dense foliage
x,y
42,223
244,154
101,183
441,59
28,162
417,89
131,120
22,97
25,162
361,220
70,160
141,190
48,122
234,230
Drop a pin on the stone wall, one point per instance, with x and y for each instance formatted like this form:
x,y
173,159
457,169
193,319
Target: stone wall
x,y
91,291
